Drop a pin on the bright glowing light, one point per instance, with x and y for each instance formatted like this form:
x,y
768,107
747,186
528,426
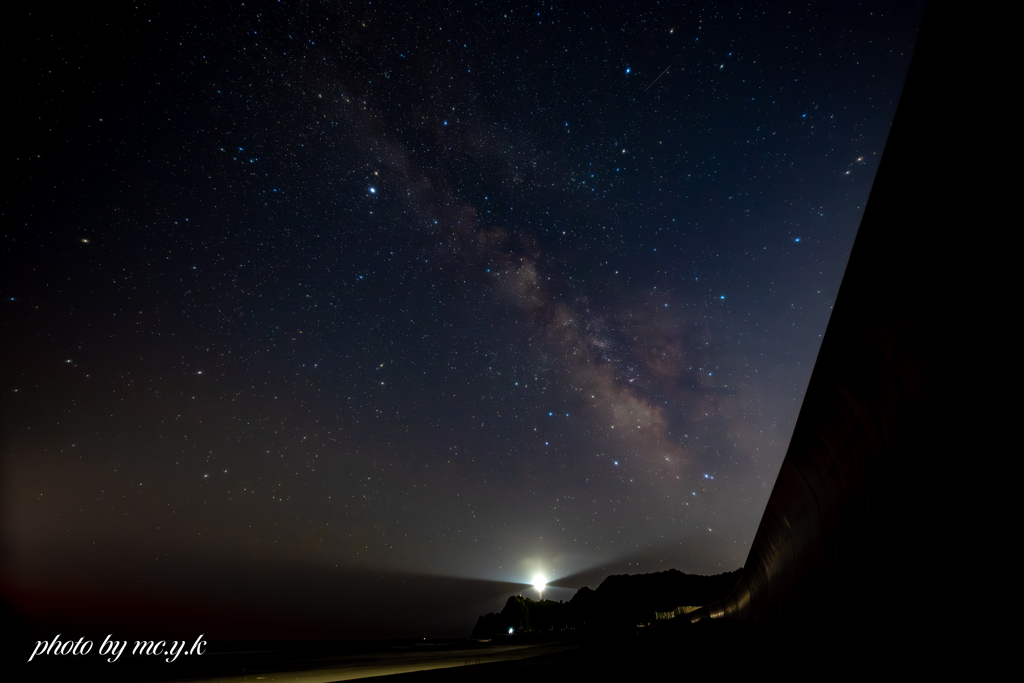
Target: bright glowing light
x,y
539,582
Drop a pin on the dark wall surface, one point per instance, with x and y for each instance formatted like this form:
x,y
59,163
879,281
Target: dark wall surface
x,y
854,555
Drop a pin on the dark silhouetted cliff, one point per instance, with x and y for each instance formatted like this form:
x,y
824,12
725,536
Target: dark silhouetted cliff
x,y
621,602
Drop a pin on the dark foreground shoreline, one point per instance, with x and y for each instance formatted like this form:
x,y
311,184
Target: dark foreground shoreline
x,y
723,649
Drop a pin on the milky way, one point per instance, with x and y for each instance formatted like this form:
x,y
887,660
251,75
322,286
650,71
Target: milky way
x,y
466,292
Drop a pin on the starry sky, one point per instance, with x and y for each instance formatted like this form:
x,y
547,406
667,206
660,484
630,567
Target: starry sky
x,y
463,292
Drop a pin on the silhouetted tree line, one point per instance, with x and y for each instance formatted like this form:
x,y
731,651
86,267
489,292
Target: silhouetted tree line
x,y
621,602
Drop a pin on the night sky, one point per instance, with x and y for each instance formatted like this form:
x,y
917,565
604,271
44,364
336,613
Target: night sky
x,y
304,300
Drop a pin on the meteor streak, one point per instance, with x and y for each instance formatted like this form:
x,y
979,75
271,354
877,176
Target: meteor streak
x,y
659,76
